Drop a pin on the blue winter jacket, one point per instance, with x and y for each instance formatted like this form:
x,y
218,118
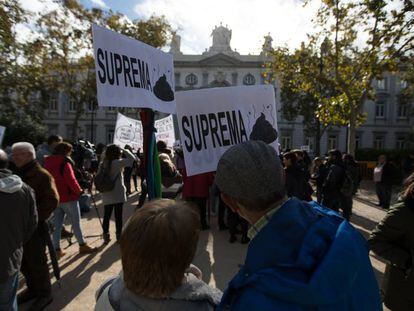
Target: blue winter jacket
x,y
306,258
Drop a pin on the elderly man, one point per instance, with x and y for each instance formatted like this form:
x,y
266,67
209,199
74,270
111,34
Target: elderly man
x,y
301,255
34,265
18,220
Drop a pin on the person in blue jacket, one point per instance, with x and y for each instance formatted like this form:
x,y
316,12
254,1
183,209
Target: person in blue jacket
x,y
302,256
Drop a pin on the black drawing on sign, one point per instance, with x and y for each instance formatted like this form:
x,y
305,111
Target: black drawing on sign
x,y
263,130
163,90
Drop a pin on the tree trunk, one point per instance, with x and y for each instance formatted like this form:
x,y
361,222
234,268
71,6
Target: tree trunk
x,y
352,130
318,138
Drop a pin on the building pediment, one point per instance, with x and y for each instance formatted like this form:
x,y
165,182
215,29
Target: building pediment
x,y
220,60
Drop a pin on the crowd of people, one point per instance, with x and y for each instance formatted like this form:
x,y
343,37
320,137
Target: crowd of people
x,y
303,255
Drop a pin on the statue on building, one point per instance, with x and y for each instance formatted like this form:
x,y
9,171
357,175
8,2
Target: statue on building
x,y
221,39
267,45
175,44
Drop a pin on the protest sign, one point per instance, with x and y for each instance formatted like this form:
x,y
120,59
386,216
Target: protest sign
x,y
128,131
130,73
213,120
2,131
165,130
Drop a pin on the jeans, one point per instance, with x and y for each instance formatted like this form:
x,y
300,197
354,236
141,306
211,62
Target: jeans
x,y
72,210
8,293
118,218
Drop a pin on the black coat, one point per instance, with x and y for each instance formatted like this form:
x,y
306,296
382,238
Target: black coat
x,y
393,240
18,220
335,173
297,183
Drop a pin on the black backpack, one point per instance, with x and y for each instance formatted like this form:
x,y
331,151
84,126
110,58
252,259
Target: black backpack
x,y
103,180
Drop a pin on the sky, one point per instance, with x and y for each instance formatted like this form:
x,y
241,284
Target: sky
x,y
287,21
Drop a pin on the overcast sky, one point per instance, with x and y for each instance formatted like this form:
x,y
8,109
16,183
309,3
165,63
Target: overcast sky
x,y
287,21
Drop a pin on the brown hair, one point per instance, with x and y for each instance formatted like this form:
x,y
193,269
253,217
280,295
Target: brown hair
x,y
157,246
408,188
62,148
292,156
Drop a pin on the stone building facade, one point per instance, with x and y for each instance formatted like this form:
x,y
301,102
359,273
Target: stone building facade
x,y
388,119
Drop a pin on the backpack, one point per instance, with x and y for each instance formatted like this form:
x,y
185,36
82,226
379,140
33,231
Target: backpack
x,y
103,181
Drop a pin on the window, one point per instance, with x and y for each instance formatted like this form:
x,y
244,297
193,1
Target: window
x,y
72,105
70,133
90,132
109,136
402,111
112,109
357,142
382,84
53,101
400,142
191,79
380,109
90,106
332,142
53,129
234,78
309,141
177,78
378,142
249,79
286,142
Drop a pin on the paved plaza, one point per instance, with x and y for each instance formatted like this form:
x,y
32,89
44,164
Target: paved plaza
x,y
218,259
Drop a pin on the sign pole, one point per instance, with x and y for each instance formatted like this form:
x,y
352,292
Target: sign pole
x,y
150,154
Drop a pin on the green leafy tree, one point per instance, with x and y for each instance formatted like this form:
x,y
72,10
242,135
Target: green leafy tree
x,y
303,84
367,38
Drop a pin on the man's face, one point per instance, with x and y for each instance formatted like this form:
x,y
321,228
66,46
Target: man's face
x,y
21,157
54,144
381,159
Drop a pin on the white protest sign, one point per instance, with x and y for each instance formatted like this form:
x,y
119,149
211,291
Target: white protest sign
x,y
130,73
128,131
165,130
213,120
2,131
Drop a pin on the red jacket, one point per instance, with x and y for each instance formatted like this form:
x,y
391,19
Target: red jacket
x,y
66,183
197,186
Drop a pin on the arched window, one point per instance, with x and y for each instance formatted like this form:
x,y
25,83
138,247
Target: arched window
x,y
191,79
249,79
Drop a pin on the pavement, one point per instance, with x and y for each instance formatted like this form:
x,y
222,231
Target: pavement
x,y
81,275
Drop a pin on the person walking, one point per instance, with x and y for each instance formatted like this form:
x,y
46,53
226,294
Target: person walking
x,y
393,240
301,256
34,263
114,164
296,178
332,196
128,173
60,166
352,172
18,221
318,175
384,177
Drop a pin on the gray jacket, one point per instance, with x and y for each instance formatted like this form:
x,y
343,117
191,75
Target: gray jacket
x,y
18,220
194,295
118,194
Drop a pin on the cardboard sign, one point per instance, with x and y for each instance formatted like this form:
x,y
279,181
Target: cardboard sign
x,y
213,120
130,73
165,130
2,132
128,131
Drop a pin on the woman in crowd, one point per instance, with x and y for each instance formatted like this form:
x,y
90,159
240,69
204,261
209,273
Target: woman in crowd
x,y
393,240
60,166
157,248
296,180
114,164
